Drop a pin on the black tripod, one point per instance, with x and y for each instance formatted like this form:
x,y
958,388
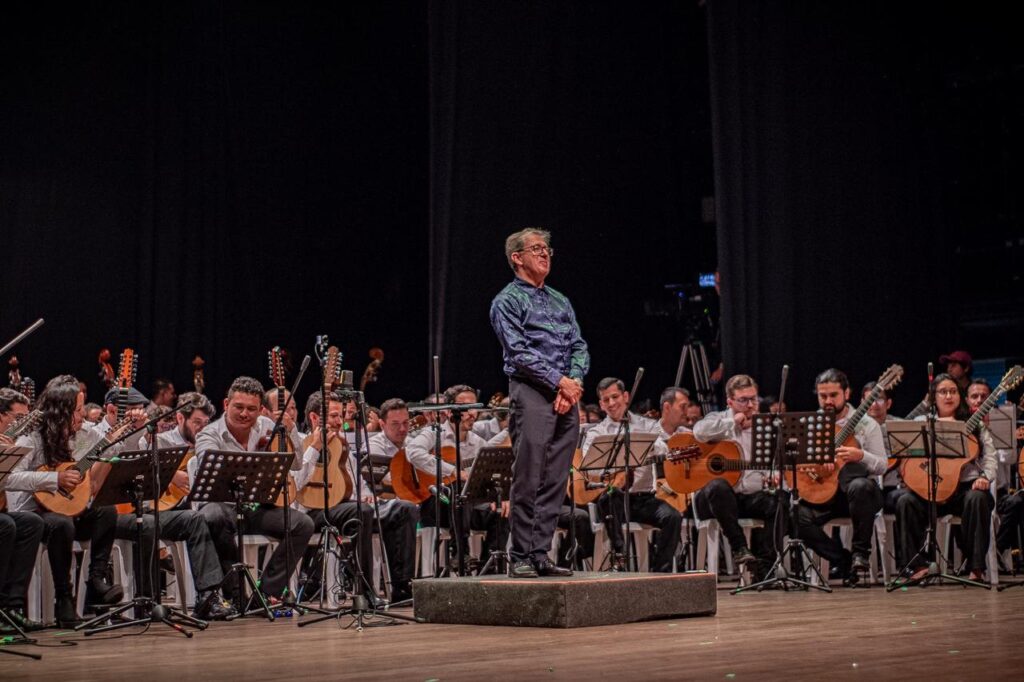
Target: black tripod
x,y
361,608
789,437
930,548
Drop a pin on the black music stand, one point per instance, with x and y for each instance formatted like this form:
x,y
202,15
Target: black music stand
x,y
620,452
131,479
380,467
9,456
490,480
928,441
244,478
784,442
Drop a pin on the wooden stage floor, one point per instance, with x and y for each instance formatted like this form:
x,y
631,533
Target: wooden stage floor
x,y
940,632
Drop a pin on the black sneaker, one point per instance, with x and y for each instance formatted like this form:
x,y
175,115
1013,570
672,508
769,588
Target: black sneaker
x,y
23,621
522,569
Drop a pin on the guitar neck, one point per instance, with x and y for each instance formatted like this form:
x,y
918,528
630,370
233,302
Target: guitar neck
x,y
922,408
975,419
858,414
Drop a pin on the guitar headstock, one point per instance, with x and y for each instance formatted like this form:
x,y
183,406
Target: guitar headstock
x,y
1012,378
119,429
198,374
106,371
24,424
890,377
126,369
332,369
28,389
276,367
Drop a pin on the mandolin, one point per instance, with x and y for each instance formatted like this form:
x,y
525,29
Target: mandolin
x,y
339,484
915,470
816,483
73,502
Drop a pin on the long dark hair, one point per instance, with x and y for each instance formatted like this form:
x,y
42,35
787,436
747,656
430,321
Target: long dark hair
x,y
963,412
58,403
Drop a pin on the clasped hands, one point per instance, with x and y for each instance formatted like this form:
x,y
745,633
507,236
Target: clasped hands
x,y
569,393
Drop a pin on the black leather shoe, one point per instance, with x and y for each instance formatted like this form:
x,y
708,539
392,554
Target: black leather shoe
x,y
211,606
860,563
522,569
400,592
66,613
99,591
546,568
742,556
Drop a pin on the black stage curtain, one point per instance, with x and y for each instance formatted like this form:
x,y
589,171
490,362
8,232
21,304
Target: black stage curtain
x,y
214,178
588,119
832,245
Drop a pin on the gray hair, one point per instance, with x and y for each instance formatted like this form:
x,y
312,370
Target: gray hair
x,y
515,242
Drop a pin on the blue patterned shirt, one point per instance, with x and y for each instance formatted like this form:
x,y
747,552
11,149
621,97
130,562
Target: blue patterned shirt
x,y
539,335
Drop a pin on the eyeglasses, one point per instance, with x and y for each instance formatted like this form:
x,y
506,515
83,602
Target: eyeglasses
x,y
539,249
746,401
947,392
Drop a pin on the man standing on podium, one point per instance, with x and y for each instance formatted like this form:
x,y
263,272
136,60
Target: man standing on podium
x,y
545,359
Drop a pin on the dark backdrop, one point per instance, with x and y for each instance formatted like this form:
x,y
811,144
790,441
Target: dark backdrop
x,y
220,177
846,137
215,177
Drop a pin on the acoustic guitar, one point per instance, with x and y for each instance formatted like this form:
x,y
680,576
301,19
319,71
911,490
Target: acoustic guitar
x,y
174,494
915,470
16,430
818,485
587,486
413,485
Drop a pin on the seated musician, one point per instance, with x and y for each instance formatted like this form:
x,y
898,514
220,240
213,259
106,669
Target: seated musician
x,y
694,413
58,439
397,521
859,496
892,485
748,498
1009,506
291,415
183,523
644,507
674,403
420,452
20,532
972,501
242,429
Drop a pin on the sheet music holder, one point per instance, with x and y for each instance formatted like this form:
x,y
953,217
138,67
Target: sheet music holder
x,y
607,454
808,436
243,478
490,480
907,439
9,456
491,474
133,468
1002,424
257,476
380,467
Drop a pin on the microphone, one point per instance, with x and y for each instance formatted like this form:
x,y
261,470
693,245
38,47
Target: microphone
x,y
782,389
346,380
931,372
590,485
440,492
636,381
305,365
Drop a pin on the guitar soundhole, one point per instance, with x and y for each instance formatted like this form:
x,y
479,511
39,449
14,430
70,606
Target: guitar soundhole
x,y
716,464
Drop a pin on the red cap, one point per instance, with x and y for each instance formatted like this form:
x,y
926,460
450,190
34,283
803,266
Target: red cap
x,y
961,357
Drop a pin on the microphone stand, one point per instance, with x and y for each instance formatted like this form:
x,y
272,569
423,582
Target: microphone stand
x,y
288,600
21,337
624,429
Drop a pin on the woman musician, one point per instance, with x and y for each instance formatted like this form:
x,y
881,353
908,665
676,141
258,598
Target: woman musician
x,y
972,501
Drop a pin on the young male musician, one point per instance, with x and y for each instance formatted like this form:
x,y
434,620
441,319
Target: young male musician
x,y
58,439
242,429
892,484
20,532
183,523
748,498
859,496
644,507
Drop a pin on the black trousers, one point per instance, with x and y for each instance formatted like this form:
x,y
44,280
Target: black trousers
x,y
861,501
643,508
543,442
974,507
584,536
720,501
264,520
97,525
1011,520
20,533
890,500
176,525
